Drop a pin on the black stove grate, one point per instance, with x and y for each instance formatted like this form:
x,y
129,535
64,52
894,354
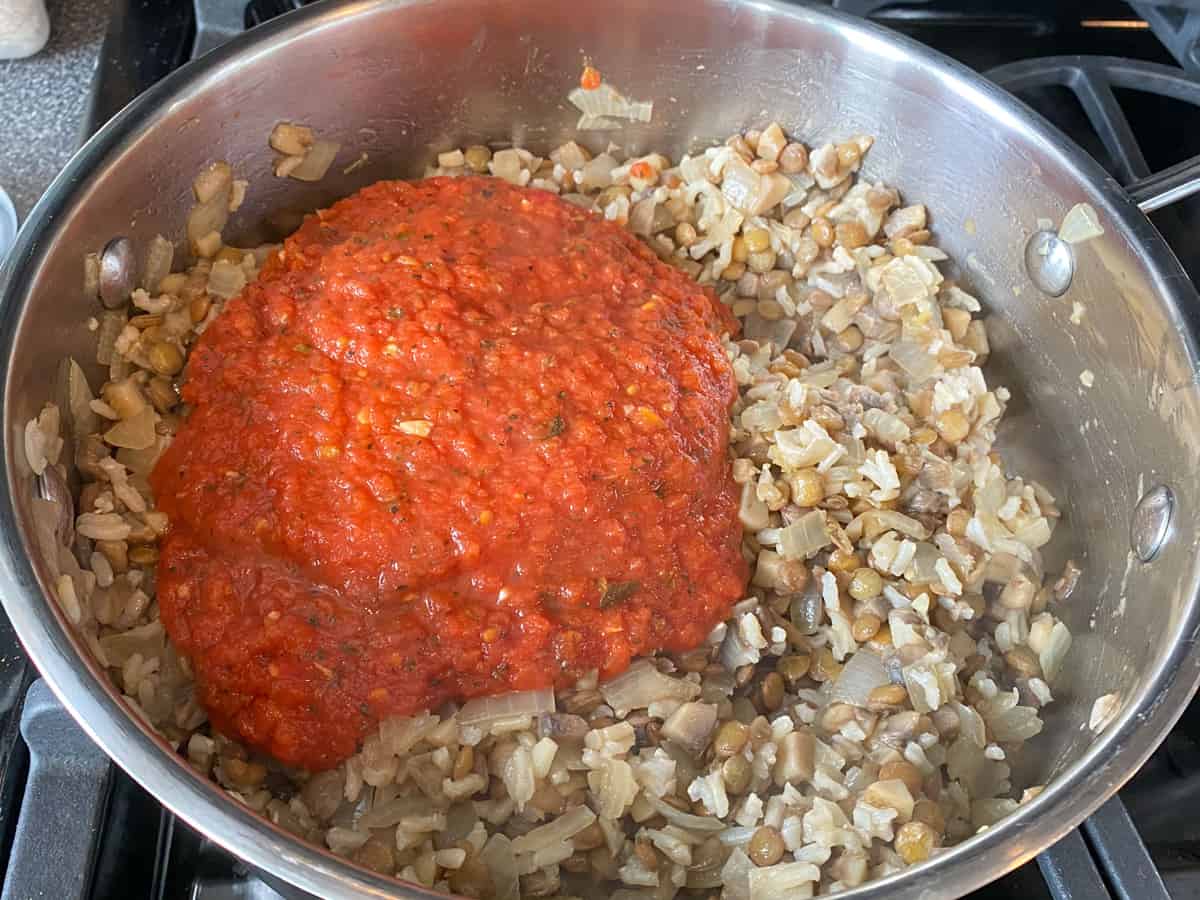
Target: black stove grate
x,y
1120,83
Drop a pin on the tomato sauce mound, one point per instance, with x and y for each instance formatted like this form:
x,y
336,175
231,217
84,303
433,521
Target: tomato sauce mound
x,y
459,438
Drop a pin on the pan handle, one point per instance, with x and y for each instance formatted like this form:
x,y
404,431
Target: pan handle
x,y
142,46
216,22
1166,187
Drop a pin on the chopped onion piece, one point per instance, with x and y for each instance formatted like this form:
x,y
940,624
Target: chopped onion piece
x,y
216,179
146,639
914,359
775,187
498,856
691,725
783,880
561,829
863,672
226,279
111,325
506,165
570,156
724,230
316,161
684,820
923,569
159,256
81,418
290,139
485,710
389,814
597,173
141,462
805,537
741,185
694,168
641,217
136,432
642,684
1080,224
207,217
91,276
602,105
1104,710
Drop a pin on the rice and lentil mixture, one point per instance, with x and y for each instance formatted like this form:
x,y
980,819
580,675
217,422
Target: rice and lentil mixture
x,y
857,711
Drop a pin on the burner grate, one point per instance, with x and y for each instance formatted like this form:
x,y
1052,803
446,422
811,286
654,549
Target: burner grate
x,y
1115,854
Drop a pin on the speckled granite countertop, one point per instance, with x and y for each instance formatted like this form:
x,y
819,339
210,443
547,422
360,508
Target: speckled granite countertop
x,y
43,100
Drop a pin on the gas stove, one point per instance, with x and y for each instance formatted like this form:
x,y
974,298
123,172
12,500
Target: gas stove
x,y
1121,79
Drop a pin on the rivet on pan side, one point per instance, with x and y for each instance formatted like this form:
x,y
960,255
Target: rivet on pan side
x,y
1049,262
117,272
1151,522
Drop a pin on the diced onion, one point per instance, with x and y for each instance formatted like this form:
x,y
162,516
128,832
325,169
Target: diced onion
x,y
562,727
887,427
741,185
159,256
775,187
914,359
207,217
316,161
570,156
389,814
691,725
136,432
750,192
216,179
561,829
604,103
863,672
782,880
146,639
506,165
290,139
91,276
694,168
399,734
775,331
642,684
804,537
1104,710
484,710
597,173
736,837
111,325
1080,224
226,279
641,217
922,569
142,461
498,856
81,418
735,875
345,840
723,230
684,820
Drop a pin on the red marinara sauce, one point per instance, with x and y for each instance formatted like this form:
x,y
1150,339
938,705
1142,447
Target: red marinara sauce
x,y
459,438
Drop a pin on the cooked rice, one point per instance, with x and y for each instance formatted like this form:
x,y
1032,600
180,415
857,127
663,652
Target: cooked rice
x,y
860,707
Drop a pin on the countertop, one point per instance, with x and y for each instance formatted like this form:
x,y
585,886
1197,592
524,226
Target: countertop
x,y
43,100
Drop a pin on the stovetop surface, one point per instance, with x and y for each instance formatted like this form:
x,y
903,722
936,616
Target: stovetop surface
x,y
115,842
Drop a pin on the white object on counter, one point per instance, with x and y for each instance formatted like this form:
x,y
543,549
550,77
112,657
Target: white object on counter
x,y
8,225
24,28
